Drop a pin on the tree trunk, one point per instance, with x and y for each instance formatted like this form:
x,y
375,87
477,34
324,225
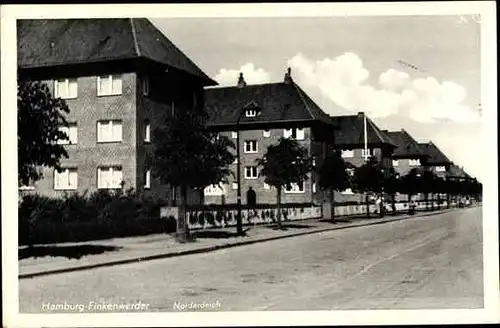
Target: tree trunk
x,y
393,205
367,205
409,203
448,200
432,201
278,207
332,205
438,201
426,200
182,227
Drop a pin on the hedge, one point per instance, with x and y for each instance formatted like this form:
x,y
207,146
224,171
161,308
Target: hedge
x,y
82,217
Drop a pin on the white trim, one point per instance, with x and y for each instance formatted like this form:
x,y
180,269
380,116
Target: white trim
x,y
67,83
147,131
347,191
250,113
112,169
266,133
113,124
253,150
66,174
145,86
251,177
71,131
110,91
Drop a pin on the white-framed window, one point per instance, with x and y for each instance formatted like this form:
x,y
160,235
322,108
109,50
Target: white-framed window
x,y
71,132
234,185
66,179
414,162
250,113
395,162
347,153
109,131
314,187
147,179
109,177
214,190
66,88
314,161
251,172
348,191
145,86
234,134
267,186
266,133
368,152
147,131
440,169
294,133
109,85
250,146
295,188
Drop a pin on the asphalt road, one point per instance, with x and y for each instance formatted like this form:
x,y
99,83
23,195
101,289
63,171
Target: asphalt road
x,y
427,262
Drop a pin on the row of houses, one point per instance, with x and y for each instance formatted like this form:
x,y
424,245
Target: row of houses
x,y
119,75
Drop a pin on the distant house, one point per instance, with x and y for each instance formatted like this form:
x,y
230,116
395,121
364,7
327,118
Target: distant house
x,y
408,154
263,114
117,76
350,139
437,161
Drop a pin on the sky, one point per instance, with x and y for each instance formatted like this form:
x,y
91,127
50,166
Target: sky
x,y
418,73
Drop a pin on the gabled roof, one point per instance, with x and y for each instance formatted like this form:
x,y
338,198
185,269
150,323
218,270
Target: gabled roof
x,y
406,146
349,131
436,156
278,102
55,42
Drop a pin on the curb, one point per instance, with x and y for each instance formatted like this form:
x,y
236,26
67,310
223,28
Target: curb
x,y
217,247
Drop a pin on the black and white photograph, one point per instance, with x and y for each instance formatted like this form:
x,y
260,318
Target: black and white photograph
x,y
289,163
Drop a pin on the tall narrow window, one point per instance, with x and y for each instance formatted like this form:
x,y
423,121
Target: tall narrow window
x,y
71,133
145,86
66,88
147,131
109,85
109,131
147,179
66,179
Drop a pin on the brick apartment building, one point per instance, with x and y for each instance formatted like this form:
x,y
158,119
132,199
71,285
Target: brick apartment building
x,y
437,161
350,139
408,154
117,76
263,114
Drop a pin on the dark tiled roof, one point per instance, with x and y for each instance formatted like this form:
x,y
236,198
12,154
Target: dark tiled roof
x,y
285,102
458,172
406,145
435,155
54,42
349,131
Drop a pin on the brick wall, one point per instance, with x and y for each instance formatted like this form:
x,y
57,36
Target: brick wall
x,y
164,98
87,154
264,196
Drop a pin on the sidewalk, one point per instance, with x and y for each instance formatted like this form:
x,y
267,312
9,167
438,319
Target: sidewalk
x,y
67,257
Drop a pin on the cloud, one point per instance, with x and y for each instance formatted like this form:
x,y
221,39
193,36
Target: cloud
x,y
344,80
252,75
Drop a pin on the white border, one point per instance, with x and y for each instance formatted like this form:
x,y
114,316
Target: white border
x,y
489,314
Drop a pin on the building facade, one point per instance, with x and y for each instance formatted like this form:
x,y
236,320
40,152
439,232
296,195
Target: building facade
x,y
350,139
261,115
118,83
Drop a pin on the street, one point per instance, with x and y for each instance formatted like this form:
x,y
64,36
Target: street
x,y
427,262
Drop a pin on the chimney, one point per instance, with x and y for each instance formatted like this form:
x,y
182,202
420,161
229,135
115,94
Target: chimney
x,y
288,76
385,131
241,81
361,114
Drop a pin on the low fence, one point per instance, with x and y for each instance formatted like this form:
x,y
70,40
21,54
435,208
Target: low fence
x,y
207,217
222,216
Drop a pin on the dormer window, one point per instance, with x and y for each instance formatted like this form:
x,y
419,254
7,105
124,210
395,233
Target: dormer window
x,y
251,113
